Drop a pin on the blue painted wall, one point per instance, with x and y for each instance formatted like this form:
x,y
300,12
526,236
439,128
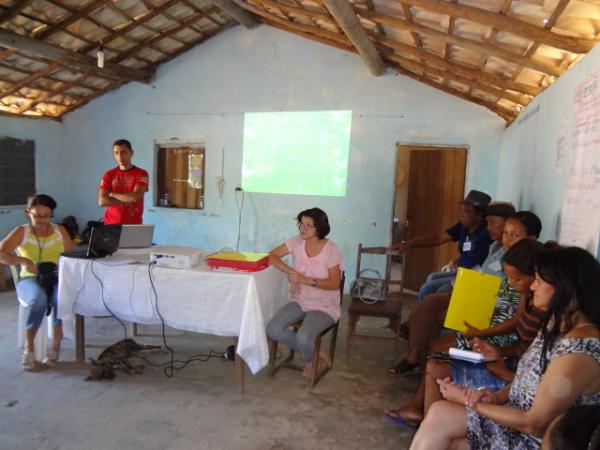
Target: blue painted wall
x,y
202,96
527,172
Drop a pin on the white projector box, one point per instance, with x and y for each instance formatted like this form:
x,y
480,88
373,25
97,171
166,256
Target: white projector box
x,y
176,257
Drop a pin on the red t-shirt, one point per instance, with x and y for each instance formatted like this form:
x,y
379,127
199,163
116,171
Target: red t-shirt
x,y
124,182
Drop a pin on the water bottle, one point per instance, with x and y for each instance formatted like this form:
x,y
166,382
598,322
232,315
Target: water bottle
x,y
166,200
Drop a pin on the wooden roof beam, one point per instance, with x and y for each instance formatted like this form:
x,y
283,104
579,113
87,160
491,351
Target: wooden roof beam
x,y
474,84
533,63
505,113
505,23
312,37
46,95
307,29
30,79
438,61
237,13
74,17
346,18
72,59
165,34
15,10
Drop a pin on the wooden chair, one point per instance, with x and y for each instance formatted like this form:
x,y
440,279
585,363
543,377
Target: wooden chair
x,y
390,309
315,374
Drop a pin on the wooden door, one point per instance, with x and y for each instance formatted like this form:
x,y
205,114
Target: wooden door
x,y
436,183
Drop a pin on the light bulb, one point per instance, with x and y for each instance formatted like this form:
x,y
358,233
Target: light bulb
x,y
100,55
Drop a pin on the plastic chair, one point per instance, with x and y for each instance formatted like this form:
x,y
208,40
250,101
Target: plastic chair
x,y
315,374
390,309
45,332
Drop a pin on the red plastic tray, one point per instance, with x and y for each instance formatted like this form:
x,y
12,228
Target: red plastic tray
x,y
245,266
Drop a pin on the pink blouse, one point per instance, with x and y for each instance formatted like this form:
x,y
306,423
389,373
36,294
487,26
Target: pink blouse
x,y
311,298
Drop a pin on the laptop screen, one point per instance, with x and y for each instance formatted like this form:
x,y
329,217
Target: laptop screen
x,y
104,241
136,236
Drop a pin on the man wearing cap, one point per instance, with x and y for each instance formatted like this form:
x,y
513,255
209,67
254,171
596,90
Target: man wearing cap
x,y
473,242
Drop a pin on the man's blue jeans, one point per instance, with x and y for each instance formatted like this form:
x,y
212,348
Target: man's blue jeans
x,y
436,282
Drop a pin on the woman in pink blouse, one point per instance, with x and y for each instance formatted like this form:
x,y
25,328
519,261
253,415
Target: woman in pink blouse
x,y
314,278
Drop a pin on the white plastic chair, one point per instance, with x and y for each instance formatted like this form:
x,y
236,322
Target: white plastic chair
x,y
45,332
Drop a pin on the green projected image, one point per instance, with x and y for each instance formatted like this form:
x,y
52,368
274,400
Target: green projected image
x,y
296,152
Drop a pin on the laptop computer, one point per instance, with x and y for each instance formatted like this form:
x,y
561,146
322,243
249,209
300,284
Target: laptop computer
x,y
104,241
136,236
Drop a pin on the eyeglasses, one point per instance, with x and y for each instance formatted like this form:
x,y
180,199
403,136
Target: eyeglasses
x,y
36,216
306,226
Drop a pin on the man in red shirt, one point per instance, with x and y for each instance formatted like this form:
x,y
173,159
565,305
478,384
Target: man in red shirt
x,y
122,189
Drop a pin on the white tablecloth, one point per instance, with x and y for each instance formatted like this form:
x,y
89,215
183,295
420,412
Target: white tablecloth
x,y
200,299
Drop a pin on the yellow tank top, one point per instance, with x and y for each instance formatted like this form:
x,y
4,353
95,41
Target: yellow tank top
x,y
31,246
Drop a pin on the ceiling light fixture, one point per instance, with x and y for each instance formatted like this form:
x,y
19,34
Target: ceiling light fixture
x,y
100,56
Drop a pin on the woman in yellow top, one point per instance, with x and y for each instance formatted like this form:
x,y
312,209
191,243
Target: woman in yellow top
x,y
28,246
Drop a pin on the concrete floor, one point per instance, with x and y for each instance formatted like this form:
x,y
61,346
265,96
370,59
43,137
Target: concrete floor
x,y
198,408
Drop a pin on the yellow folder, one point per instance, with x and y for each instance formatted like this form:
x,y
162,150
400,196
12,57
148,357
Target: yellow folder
x,y
473,300
237,256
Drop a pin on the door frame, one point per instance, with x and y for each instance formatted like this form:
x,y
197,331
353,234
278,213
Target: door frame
x,y
401,146
406,147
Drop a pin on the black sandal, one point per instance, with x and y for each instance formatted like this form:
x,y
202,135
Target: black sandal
x,y
403,367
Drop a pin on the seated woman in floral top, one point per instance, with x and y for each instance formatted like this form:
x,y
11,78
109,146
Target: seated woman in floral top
x,y
560,369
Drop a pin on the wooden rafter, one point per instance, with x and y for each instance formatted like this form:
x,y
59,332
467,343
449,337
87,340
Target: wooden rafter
x,y
501,111
232,9
303,28
496,92
74,17
409,18
72,59
346,18
298,31
434,60
560,7
448,46
15,10
30,79
173,55
505,23
165,34
64,87
506,55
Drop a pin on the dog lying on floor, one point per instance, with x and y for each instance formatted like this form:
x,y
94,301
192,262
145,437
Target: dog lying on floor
x,y
116,356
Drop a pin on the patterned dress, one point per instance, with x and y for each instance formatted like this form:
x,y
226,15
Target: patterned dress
x,y
484,433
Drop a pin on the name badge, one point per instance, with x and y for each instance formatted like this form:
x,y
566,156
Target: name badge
x,y
467,246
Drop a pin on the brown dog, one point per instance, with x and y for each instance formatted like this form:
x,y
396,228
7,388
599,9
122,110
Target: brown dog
x,y
116,356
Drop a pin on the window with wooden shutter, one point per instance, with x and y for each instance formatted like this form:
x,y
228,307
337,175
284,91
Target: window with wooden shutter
x,y
17,171
180,176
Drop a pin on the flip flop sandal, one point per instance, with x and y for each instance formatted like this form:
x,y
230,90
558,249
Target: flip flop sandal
x,y
395,417
403,367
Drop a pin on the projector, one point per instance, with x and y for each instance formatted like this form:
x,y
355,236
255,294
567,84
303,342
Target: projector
x,y
176,257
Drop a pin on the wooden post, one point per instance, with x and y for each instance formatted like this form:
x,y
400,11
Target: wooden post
x,y
237,13
346,18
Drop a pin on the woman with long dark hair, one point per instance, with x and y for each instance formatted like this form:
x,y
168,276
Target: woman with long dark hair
x,y
561,368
